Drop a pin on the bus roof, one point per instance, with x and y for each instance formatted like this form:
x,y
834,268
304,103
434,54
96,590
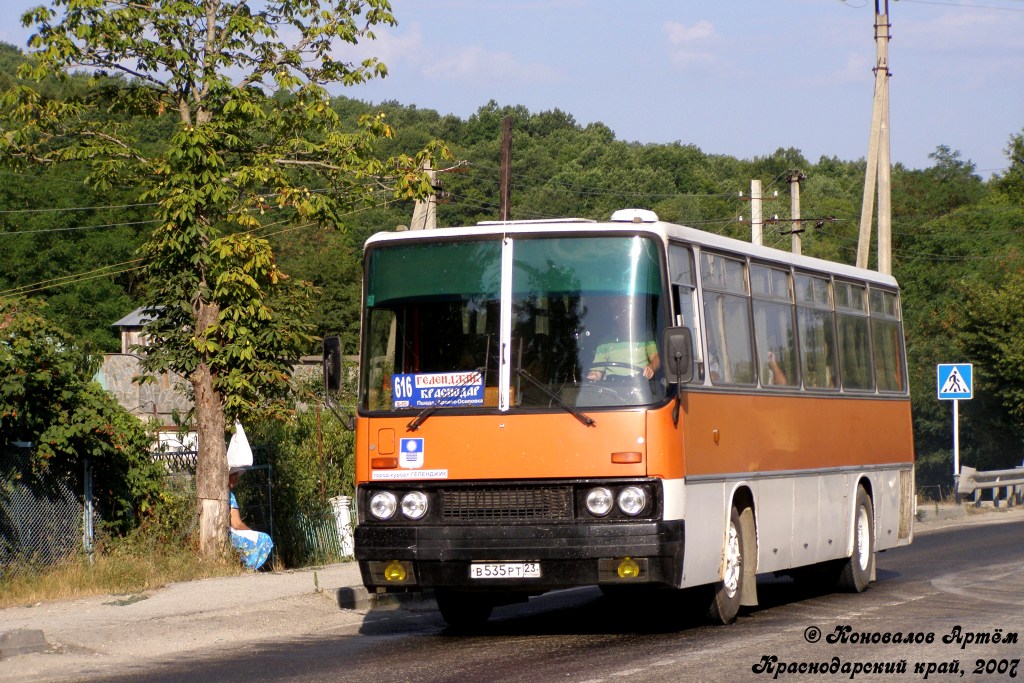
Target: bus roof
x,y
635,221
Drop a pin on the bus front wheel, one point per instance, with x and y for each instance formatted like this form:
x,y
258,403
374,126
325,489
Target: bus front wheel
x,y
727,593
860,567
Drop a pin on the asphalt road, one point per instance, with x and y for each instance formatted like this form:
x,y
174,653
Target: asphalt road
x,y
949,590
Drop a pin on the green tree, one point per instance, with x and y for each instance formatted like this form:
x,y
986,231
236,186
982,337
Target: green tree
x,y
48,399
955,242
254,135
1012,181
989,329
52,226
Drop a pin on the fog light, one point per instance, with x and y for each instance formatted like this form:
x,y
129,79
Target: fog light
x,y
392,573
623,570
628,568
395,571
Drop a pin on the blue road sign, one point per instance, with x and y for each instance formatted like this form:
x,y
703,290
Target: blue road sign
x,y
955,381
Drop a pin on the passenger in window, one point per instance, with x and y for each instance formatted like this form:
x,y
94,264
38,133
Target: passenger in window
x,y
715,368
776,375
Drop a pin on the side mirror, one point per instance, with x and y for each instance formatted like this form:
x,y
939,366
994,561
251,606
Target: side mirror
x,y
332,364
677,358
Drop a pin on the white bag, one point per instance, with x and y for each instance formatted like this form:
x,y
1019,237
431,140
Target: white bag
x,y
239,452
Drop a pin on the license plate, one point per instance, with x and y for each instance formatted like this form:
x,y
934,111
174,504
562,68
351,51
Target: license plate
x,y
504,570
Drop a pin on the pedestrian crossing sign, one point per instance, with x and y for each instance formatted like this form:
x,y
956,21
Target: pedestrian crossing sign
x,y
956,381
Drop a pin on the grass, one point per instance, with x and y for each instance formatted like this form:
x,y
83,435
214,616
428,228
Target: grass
x,y
120,569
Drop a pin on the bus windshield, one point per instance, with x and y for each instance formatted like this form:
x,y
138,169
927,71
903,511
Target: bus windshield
x,y
579,324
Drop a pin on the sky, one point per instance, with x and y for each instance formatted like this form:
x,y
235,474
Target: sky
x,y
736,77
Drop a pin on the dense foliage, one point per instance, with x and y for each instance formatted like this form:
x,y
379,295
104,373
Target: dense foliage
x,y
312,459
957,237
252,130
49,401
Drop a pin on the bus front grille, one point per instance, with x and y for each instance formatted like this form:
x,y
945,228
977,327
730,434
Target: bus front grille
x,y
507,503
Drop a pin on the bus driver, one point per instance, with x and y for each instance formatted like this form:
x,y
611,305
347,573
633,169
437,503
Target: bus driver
x,y
620,355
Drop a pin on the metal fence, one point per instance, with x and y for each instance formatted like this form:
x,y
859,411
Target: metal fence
x,y
41,516
45,518
303,539
253,492
309,539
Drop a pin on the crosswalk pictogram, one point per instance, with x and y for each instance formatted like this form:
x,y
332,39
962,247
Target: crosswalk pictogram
x,y
955,381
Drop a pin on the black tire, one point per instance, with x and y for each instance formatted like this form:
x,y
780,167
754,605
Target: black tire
x,y
463,610
860,566
727,594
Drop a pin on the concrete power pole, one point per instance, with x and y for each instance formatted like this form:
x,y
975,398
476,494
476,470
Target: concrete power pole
x,y
756,221
424,213
878,156
795,177
505,190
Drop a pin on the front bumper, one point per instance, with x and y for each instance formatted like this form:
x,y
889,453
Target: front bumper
x,y
569,554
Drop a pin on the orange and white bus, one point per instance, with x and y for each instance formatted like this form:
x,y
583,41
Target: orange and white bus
x,y
560,403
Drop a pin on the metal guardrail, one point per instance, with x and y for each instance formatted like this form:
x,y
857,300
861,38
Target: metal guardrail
x,y
972,481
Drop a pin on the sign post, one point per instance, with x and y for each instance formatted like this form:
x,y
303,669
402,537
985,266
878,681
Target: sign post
x,y
956,383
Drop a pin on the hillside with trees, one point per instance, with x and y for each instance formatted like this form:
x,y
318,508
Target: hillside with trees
x,y
957,238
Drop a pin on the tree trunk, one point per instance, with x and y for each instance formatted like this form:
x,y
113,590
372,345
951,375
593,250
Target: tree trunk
x,y
212,462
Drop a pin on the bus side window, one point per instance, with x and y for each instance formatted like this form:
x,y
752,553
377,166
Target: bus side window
x,y
727,318
887,341
685,301
774,330
816,331
686,315
855,360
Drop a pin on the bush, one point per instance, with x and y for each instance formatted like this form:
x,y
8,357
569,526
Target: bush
x,y
312,460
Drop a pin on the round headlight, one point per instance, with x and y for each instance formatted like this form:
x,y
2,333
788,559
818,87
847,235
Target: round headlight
x,y
632,500
414,504
599,501
383,505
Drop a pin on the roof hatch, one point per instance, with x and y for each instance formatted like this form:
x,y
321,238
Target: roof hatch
x,y
634,216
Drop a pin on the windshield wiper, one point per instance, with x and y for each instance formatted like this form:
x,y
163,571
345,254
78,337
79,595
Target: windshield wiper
x,y
421,418
415,423
578,414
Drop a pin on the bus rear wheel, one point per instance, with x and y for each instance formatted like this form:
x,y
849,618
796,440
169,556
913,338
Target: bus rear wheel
x,y
727,593
463,610
860,566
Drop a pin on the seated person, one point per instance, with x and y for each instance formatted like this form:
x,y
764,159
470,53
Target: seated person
x,y
620,355
254,546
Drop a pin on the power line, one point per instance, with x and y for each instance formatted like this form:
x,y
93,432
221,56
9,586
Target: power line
x,y
78,227
962,6
76,208
70,279
596,191
106,271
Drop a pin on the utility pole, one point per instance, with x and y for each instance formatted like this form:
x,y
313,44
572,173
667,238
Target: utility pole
x,y
505,192
878,155
424,213
756,222
424,217
795,178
